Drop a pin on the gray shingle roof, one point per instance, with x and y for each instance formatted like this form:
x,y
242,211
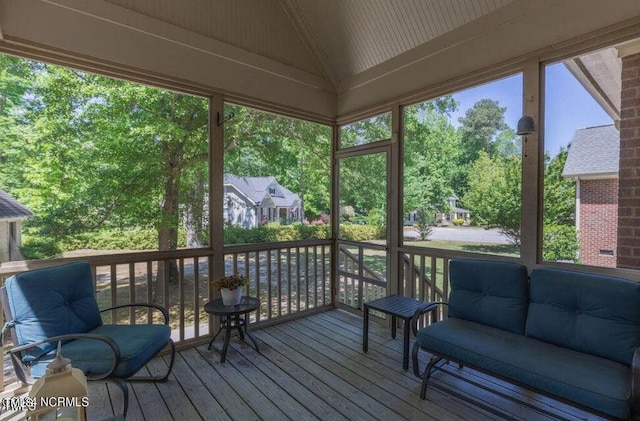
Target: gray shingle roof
x,y
10,208
256,188
594,151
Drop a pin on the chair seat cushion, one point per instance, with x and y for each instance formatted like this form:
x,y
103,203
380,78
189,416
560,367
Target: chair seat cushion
x,y
138,344
592,381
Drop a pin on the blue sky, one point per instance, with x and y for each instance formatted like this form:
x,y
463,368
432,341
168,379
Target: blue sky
x,y
568,106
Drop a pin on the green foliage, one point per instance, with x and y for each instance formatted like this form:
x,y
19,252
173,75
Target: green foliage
x,y
425,219
274,232
559,192
458,222
376,217
347,212
362,232
431,148
366,131
230,282
36,248
483,130
560,243
136,239
494,196
363,183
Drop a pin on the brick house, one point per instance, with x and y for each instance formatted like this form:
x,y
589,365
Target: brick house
x,y
593,164
611,77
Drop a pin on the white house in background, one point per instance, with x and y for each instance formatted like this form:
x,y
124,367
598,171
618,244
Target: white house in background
x,y
12,213
251,201
443,218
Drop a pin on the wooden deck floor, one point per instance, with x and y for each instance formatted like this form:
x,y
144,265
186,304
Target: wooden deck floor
x,y
314,368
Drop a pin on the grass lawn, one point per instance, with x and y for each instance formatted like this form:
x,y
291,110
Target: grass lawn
x,y
486,248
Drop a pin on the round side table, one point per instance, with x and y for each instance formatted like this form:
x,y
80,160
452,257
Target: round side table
x,y
230,319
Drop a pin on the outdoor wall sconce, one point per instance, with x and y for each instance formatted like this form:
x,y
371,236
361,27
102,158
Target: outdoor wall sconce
x,y
525,126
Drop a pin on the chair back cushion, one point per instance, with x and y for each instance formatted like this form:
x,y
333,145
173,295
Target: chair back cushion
x,y
52,301
492,293
595,314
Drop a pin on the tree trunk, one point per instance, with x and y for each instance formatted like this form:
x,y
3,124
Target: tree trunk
x,y
193,217
168,235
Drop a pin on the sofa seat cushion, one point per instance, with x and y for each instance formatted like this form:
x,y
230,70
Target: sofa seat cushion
x,y
138,343
592,381
492,293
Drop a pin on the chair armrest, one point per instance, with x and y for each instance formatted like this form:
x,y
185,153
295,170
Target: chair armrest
x,y
109,341
431,307
635,380
163,310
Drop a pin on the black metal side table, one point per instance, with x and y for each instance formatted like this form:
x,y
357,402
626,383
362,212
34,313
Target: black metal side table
x,y
396,306
231,320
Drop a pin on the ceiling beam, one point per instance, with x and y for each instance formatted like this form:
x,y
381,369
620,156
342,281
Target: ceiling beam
x,y
293,12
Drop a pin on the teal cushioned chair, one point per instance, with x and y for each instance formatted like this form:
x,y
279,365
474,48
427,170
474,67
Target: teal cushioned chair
x,y
45,306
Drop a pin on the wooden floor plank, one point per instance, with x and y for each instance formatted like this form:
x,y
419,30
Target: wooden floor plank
x,y
316,406
230,400
100,404
405,387
271,389
201,398
179,404
345,397
378,402
149,398
236,380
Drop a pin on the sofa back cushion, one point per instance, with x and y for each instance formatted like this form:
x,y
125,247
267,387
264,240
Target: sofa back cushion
x,y
595,314
52,301
492,293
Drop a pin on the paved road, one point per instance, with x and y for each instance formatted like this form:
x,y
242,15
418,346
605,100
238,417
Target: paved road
x,y
470,234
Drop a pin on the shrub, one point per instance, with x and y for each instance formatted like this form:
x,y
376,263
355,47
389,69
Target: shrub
x,y
136,239
362,232
458,222
425,221
560,242
36,248
274,232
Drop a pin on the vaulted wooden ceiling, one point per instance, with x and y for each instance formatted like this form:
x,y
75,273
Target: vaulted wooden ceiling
x,y
324,58
334,39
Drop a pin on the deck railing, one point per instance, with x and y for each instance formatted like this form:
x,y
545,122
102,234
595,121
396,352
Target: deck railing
x,y
290,279
361,273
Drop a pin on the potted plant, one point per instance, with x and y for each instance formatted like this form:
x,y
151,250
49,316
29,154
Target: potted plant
x,y
230,288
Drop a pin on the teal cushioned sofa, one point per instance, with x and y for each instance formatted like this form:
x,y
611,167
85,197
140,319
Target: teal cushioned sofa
x,y
570,335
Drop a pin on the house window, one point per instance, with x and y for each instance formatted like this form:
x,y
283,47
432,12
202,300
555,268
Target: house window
x,y
462,169
590,194
272,190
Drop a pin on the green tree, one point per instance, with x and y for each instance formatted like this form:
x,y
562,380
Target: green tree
x,y
98,153
431,147
560,239
559,192
494,196
482,130
425,222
